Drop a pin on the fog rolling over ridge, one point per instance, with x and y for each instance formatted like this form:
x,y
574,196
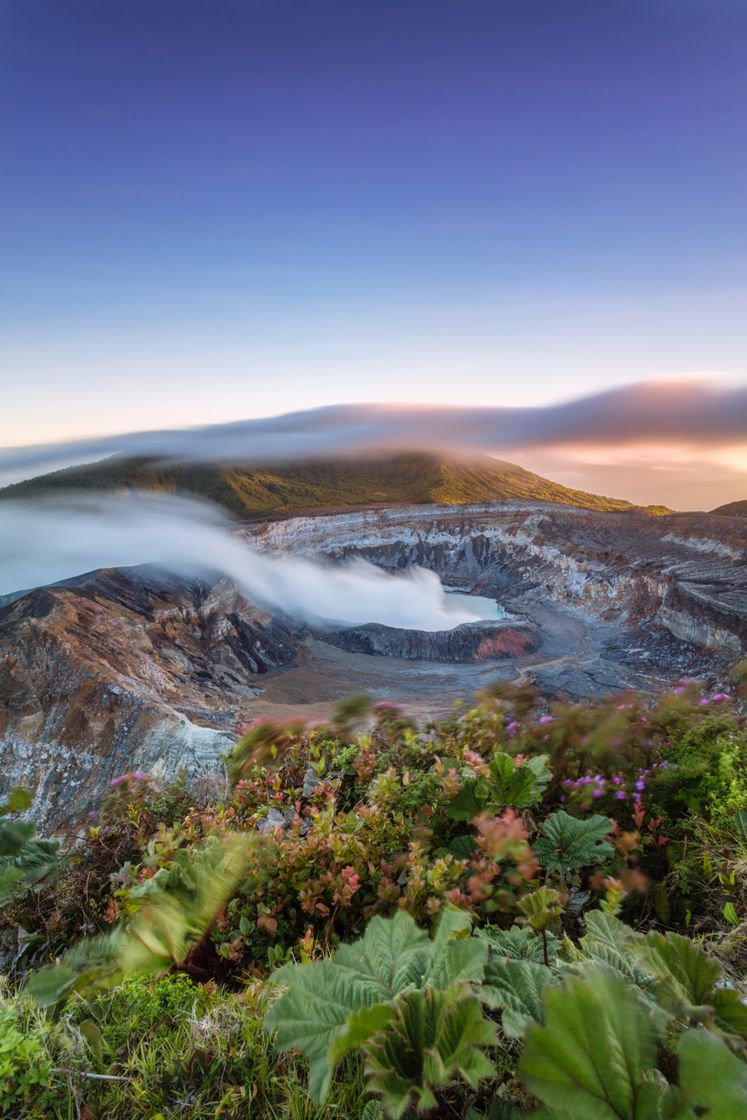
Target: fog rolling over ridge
x,y
666,414
43,542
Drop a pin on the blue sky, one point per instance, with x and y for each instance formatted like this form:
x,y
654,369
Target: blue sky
x,y
210,211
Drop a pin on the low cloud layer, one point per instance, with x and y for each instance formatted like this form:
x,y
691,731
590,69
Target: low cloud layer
x,y
654,412
43,542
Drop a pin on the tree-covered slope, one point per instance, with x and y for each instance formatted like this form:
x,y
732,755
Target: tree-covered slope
x,y
249,491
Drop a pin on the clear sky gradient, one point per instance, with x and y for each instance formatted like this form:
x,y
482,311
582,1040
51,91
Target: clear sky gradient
x,y
217,210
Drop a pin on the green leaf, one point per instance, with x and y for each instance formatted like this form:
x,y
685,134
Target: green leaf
x,y
609,941
593,1057
568,844
731,1010
686,975
392,954
434,1036
321,1012
359,1027
713,1079
515,988
540,908
519,943
509,786
730,914
91,964
472,799
518,787
93,1038
178,911
313,1014
454,954
461,847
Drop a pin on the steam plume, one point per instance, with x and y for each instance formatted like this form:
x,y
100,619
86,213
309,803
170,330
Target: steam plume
x,y
45,542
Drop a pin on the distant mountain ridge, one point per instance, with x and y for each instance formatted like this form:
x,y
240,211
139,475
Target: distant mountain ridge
x,y
733,509
322,485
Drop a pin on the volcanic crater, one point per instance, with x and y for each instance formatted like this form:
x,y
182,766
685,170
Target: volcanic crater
x,y
126,669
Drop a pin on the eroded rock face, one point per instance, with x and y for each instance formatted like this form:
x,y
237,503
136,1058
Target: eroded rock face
x,y
125,670
686,573
475,641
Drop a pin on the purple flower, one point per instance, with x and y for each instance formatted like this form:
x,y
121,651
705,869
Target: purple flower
x,y
139,776
512,727
546,719
597,793
718,697
120,781
620,795
640,784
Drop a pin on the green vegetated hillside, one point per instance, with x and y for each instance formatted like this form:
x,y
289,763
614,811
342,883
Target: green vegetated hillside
x,y
733,509
248,492
514,912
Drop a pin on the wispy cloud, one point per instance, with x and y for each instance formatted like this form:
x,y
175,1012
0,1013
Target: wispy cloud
x,y
695,413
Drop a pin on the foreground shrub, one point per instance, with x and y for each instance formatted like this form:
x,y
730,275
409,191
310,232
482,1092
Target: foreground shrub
x,y
402,998
440,900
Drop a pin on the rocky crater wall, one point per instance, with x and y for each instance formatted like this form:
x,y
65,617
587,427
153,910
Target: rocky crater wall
x,y
686,573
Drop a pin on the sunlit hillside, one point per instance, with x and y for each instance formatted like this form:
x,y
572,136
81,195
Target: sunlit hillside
x,y
247,491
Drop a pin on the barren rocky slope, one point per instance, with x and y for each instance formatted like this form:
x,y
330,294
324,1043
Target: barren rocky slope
x,y
121,670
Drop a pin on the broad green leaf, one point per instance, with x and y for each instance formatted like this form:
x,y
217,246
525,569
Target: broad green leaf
x,y
321,1012
509,786
609,941
686,975
518,787
172,921
461,847
568,843
392,954
434,1037
731,1010
519,943
359,1027
540,908
515,989
471,800
593,1057
312,1015
454,954
92,964
713,1079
